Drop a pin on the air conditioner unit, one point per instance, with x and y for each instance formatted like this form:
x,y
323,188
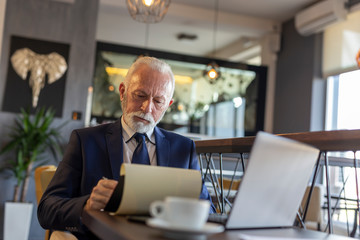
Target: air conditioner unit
x,y
320,15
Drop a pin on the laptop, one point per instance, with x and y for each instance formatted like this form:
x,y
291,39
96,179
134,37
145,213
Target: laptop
x,y
275,180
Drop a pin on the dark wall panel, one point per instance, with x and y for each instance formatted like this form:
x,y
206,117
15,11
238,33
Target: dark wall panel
x,y
294,80
72,24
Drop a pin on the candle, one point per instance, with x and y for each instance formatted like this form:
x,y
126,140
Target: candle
x,y
88,106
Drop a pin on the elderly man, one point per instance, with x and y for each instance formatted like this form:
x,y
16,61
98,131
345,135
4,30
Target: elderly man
x,y
97,152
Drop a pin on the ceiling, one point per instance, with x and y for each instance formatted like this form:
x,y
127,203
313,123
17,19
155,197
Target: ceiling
x,y
278,10
240,23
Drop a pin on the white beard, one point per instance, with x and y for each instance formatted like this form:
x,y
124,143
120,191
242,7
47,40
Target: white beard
x,y
139,126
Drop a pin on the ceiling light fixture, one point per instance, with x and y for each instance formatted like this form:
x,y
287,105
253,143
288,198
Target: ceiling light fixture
x,y
212,71
148,11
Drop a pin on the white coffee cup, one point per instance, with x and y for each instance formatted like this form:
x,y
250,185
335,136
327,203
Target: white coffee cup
x,y
188,213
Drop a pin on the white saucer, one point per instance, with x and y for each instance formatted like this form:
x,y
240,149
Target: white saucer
x,y
182,233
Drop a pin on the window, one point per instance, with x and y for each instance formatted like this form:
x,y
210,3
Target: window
x,y
343,94
343,112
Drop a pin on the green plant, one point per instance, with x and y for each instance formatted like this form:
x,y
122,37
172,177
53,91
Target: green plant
x,y
30,138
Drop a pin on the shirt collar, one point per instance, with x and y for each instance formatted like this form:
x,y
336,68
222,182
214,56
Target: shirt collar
x,y
127,132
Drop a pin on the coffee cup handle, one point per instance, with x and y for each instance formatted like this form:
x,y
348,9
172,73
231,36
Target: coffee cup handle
x,y
157,209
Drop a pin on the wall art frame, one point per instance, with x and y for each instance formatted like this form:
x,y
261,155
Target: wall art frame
x,y
30,61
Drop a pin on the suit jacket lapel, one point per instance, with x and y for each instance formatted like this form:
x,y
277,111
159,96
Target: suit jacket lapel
x,y
162,148
114,142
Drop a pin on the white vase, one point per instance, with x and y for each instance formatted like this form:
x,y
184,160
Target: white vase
x,y
17,220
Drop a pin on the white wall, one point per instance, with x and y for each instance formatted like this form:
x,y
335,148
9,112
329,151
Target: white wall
x,y
341,43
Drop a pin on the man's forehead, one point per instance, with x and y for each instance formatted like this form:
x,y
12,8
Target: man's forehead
x,y
150,76
146,69
161,87
147,88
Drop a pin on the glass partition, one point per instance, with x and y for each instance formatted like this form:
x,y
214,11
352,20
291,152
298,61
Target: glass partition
x,y
232,106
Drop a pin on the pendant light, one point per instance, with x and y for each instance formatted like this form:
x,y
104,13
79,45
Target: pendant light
x,y
148,11
212,70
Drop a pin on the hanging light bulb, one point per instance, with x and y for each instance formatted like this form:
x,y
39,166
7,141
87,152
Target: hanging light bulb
x,y
148,11
212,72
148,2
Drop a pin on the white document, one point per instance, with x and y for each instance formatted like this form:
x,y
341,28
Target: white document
x,y
143,184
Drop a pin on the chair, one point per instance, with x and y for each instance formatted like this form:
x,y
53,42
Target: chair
x,y
43,176
228,182
315,218
314,213
42,179
230,187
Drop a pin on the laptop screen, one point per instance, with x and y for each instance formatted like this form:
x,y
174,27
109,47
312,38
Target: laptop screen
x,y
270,193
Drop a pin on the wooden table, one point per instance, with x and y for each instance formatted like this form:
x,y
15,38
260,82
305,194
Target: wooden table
x,y
106,226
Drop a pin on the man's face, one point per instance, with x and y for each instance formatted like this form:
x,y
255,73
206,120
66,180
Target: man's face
x,y
146,99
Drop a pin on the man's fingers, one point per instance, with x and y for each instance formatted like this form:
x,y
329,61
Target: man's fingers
x,y
99,199
107,183
95,205
105,188
101,194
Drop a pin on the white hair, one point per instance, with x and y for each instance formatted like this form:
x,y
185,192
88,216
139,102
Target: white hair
x,y
154,64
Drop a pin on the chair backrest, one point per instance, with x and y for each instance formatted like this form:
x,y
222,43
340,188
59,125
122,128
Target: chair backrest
x,y
43,176
315,205
227,183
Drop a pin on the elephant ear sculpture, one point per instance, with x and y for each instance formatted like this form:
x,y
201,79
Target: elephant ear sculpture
x,y
39,65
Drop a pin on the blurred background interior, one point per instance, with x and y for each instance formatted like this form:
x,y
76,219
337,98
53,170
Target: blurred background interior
x,y
283,66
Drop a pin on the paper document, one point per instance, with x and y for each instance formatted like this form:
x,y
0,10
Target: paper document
x,y
139,185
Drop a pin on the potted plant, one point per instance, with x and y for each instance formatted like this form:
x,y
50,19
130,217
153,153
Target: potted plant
x,y
30,137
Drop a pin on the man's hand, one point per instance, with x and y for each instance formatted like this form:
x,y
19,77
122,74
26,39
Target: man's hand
x,y
100,194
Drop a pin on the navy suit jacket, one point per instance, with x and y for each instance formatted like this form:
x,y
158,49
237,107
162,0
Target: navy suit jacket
x,y
96,152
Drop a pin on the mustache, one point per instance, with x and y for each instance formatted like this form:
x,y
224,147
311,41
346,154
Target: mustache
x,y
146,116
